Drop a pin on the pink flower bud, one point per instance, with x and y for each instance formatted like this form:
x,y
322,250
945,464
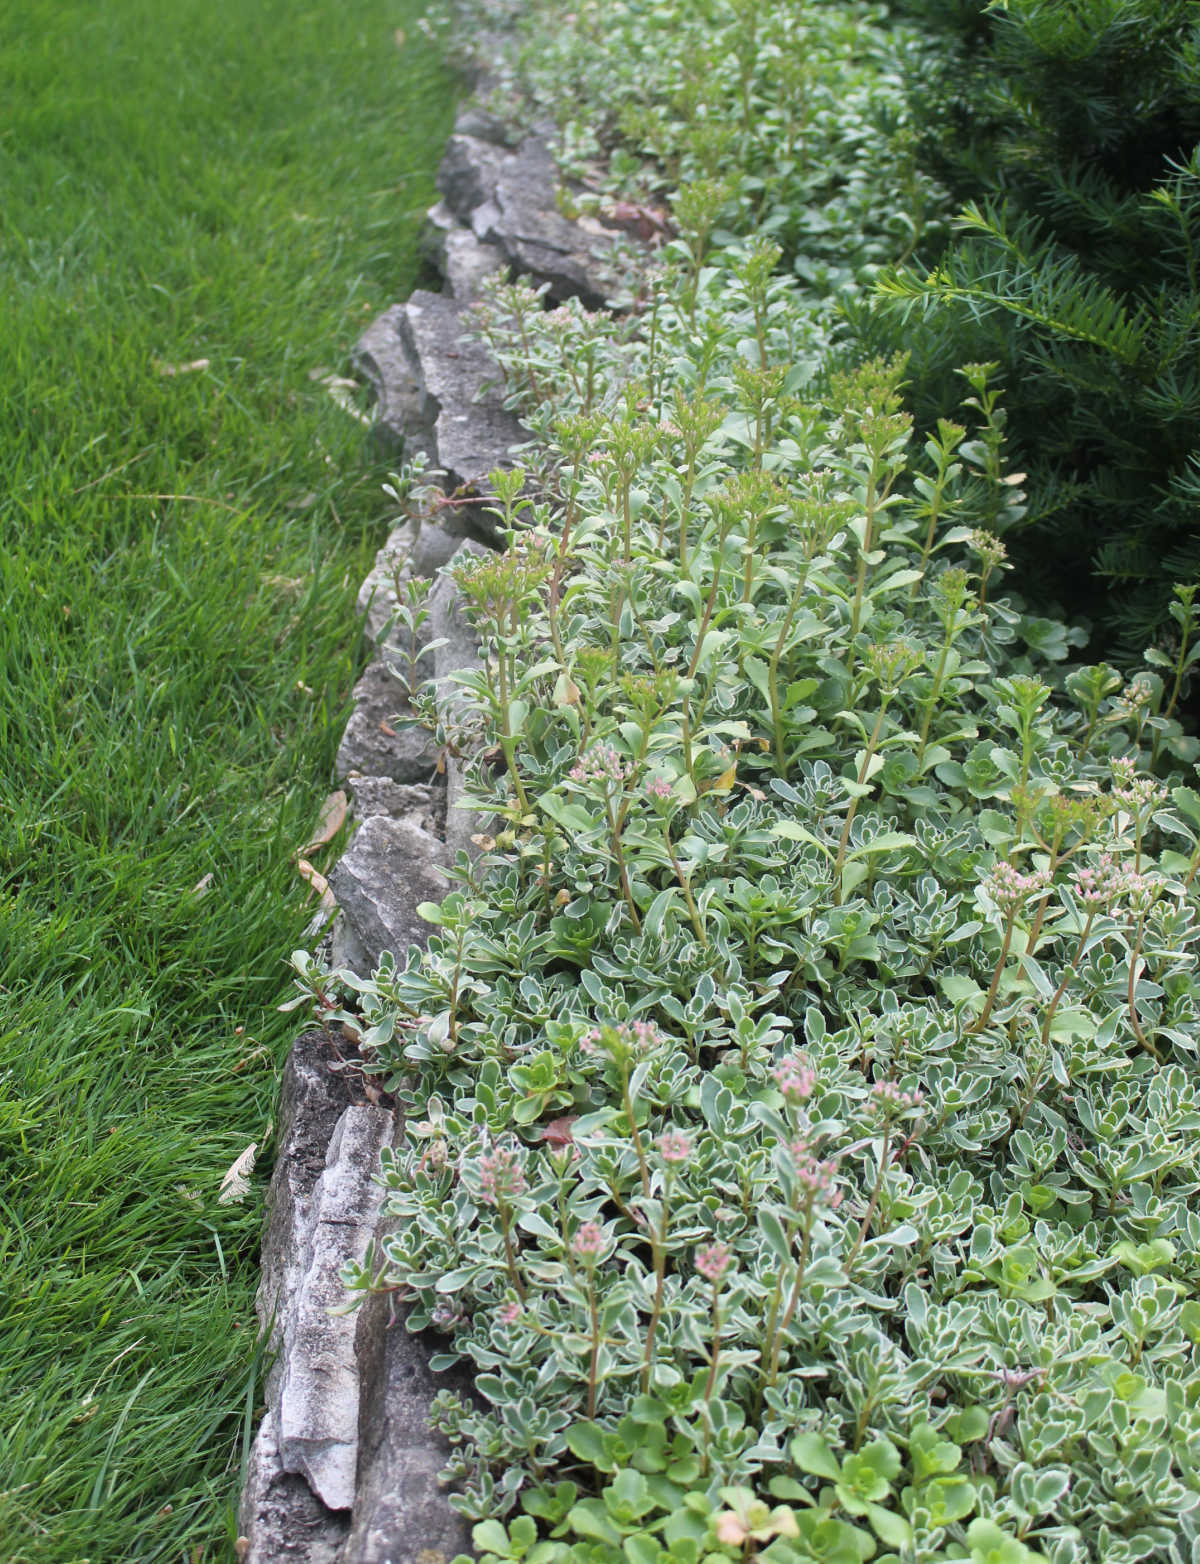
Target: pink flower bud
x,y
674,1147
588,1240
713,1261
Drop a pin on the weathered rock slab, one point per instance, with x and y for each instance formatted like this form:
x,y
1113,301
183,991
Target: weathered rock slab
x,y
462,395
401,801
317,1408
443,394
380,357
401,1515
411,550
391,867
508,201
458,255
372,744
280,1518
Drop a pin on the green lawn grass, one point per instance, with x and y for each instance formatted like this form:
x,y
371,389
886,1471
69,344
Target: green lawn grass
x,y
237,182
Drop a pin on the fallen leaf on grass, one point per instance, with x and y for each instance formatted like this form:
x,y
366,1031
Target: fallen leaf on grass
x,y
181,369
202,885
318,882
343,393
235,1186
329,822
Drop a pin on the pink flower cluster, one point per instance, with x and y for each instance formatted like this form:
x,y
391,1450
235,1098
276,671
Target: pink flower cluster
x,y
674,1146
588,1241
658,788
602,764
1142,889
795,1078
713,1261
636,1037
509,1313
501,1177
1009,887
1131,790
815,1177
888,1098
1099,885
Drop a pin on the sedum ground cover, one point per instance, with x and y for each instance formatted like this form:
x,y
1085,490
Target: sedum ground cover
x,y
801,1087
234,184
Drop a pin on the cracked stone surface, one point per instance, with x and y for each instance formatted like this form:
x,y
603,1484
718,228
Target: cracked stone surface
x,y
382,360
317,1407
373,744
507,200
462,397
382,796
442,394
468,173
280,1517
390,869
401,1515
410,550
458,255
474,120
459,649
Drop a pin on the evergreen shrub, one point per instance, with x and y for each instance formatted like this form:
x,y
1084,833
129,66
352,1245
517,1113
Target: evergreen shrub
x,y
1070,132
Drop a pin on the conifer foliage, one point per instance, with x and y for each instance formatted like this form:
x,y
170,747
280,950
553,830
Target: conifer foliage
x,y
1070,130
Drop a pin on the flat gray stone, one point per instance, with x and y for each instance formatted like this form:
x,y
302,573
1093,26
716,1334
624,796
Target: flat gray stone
x,y
317,1409
462,398
390,869
382,360
447,400
400,801
312,1100
345,950
474,120
372,743
279,1516
459,648
468,173
465,262
401,1515
410,550
508,201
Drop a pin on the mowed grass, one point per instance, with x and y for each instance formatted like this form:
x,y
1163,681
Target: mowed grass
x,y
236,181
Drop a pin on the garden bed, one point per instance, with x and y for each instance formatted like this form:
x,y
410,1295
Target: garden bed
x,y
797,1096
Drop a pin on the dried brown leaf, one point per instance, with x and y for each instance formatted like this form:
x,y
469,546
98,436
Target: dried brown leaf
x,y
329,822
318,882
235,1186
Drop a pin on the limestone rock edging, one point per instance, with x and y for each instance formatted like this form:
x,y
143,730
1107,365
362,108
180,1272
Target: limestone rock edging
x,y
344,1466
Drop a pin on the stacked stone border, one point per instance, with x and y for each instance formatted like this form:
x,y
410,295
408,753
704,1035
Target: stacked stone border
x,y
344,1464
